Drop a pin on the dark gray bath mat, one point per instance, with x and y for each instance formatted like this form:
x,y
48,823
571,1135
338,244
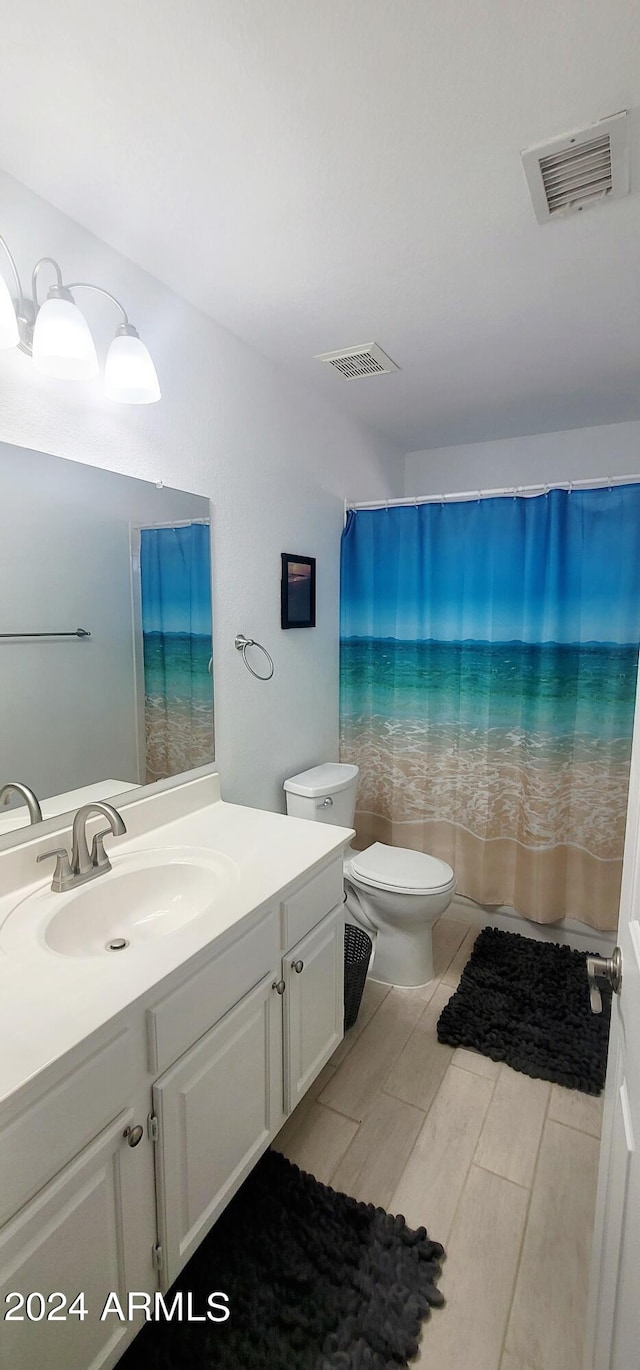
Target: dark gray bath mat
x,y
316,1281
527,1003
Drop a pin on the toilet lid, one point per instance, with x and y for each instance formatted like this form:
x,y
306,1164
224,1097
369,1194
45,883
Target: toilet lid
x,y
400,868
328,779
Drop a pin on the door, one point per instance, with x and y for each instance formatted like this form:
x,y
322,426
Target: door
x,y
81,1235
217,1109
313,974
613,1330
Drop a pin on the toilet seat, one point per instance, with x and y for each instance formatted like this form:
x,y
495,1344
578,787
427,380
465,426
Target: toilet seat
x,y
401,870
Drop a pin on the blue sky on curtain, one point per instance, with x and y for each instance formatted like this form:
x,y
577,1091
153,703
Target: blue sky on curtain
x,y
488,667
175,573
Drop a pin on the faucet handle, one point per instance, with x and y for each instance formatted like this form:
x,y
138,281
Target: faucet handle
x,y
99,859
62,874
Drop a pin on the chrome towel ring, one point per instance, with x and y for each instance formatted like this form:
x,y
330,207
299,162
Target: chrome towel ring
x,y
242,643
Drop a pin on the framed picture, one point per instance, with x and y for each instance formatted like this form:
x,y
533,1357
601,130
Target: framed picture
x,y
298,591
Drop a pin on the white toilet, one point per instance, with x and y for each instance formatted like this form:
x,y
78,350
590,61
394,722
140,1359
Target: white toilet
x,y
394,892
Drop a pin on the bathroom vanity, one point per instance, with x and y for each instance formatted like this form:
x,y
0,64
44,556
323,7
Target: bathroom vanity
x,y
139,1086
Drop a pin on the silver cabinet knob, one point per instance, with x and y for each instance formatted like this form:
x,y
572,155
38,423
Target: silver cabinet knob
x,y
279,986
604,968
133,1135
298,966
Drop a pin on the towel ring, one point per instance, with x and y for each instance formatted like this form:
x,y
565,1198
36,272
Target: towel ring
x,y
242,643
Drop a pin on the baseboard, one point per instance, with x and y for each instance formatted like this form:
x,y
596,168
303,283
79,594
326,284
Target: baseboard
x,y
569,933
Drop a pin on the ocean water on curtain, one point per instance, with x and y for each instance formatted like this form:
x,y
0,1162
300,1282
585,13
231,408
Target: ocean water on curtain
x,y
441,731
488,672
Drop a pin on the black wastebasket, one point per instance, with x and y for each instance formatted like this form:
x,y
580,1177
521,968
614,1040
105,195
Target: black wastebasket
x,y
357,954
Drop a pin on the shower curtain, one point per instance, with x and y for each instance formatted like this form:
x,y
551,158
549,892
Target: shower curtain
x,y
488,669
175,577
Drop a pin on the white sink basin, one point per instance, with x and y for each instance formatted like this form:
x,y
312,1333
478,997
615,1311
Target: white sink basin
x,y
147,895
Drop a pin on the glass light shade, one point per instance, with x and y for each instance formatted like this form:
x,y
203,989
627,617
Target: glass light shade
x,y
129,374
9,336
62,342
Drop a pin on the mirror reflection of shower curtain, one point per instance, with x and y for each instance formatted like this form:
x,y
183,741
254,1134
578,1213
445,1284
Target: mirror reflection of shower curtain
x,y
175,575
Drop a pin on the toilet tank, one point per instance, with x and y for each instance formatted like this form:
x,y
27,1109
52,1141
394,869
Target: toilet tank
x,y
325,793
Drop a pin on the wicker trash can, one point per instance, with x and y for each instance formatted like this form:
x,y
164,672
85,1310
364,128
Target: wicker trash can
x,y
357,954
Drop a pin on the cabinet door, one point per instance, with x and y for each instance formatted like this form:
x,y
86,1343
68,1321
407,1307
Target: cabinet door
x,y
217,1110
313,1004
80,1235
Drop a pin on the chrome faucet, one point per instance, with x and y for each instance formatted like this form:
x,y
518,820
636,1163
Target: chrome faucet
x,y
15,786
80,867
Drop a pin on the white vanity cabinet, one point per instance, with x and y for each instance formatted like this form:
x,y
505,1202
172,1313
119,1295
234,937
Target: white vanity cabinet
x,y
205,1066
313,1005
65,1252
216,1110
76,1200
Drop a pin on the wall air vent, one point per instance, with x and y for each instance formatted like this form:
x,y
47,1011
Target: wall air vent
x,y
580,169
352,362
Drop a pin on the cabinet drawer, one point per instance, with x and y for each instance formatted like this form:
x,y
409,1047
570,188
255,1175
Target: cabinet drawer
x,y
49,1132
178,1020
302,910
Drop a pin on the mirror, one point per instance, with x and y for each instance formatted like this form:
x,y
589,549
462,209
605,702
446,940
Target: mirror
x,y
105,632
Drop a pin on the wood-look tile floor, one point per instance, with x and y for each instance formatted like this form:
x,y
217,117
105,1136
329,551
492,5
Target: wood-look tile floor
x,y
498,1167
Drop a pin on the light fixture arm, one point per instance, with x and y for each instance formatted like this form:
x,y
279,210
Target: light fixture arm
x,y
62,291
88,285
14,271
44,261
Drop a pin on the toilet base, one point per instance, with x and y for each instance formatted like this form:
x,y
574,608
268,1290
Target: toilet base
x,y
403,959
399,958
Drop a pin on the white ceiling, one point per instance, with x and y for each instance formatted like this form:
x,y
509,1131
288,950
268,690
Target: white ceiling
x,y
319,173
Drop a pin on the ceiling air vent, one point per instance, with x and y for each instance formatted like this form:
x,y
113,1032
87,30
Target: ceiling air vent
x,y
366,360
580,169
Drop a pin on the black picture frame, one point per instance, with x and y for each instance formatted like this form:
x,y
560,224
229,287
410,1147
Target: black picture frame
x,y
298,591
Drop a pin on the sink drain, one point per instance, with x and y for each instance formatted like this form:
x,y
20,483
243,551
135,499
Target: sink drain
x,y
117,944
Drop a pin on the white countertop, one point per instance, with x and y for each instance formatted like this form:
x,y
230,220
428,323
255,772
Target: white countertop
x,y
50,1002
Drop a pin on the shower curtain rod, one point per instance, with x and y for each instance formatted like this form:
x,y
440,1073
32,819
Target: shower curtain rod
x,y
595,483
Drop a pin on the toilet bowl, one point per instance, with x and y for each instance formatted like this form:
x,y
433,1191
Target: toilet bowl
x,y
400,894
395,893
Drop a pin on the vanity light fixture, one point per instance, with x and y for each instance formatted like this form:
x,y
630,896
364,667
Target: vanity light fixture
x,y
58,338
9,335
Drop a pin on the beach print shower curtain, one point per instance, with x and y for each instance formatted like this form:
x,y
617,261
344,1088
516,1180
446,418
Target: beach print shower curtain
x,y
175,579
488,670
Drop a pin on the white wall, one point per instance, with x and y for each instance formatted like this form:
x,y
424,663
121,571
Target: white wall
x,y
580,454
274,459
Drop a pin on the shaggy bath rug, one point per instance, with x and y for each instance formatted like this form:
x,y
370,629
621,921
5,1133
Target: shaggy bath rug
x,y
316,1281
527,1003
